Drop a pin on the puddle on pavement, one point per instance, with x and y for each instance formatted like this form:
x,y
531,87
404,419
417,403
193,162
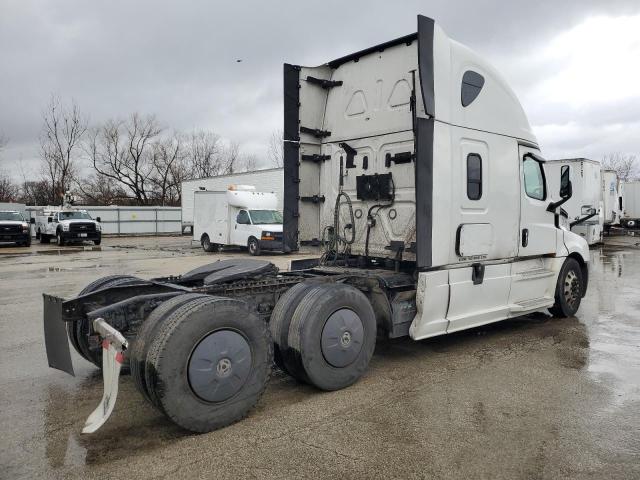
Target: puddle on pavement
x,y
614,323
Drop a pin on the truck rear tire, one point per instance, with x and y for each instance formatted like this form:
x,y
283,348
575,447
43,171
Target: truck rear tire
x,y
332,335
207,246
253,246
140,346
209,363
569,289
78,331
44,238
279,327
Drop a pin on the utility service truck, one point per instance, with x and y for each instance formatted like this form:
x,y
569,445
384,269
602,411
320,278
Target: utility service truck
x,y
239,216
584,208
414,167
67,225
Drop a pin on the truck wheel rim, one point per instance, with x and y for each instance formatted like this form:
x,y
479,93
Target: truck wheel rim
x,y
219,365
252,247
342,337
571,288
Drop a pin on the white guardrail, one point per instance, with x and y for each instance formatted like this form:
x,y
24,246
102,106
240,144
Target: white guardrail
x,y
116,220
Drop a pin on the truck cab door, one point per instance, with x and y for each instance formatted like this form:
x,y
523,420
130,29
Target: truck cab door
x,y
241,229
537,234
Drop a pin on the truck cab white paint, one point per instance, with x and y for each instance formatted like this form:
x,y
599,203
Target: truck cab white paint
x,y
492,249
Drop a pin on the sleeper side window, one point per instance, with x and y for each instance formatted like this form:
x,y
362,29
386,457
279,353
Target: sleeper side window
x,y
472,83
534,185
474,176
243,218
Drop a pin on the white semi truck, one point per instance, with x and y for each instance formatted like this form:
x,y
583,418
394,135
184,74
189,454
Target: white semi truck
x,y
239,216
413,164
584,208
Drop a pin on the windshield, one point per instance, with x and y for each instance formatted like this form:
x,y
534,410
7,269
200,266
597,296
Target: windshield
x,y
74,216
11,216
265,217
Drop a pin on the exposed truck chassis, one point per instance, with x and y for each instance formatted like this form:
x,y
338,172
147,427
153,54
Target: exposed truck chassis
x,y
112,317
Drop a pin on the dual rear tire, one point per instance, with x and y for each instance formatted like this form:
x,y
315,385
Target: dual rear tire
x,y
324,334
203,361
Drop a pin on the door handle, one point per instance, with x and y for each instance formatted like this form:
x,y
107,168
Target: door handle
x,y
525,237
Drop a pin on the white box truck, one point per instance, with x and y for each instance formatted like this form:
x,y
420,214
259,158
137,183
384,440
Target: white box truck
x,y
631,217
270,180
584,208
414,165
239,216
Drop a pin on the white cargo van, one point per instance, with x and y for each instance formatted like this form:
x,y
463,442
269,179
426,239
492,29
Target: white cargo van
x,y
414,166
239,216
584,208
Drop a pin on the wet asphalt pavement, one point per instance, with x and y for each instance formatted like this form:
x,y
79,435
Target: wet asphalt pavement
x,y
533,397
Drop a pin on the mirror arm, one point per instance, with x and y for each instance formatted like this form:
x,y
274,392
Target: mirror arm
x,y
582,220
553,205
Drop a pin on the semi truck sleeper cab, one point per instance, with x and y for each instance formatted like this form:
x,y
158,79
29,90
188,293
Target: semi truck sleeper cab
x,y
413,168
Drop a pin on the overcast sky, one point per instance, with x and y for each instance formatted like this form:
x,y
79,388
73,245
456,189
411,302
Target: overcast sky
x,y
575,64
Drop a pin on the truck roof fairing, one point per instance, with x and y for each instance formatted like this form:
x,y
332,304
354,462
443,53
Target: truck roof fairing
x,y
442,63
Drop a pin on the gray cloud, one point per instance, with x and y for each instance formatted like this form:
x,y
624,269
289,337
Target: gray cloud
x,y
178,60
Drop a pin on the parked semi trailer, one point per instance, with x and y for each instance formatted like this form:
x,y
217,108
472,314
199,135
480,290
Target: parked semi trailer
x,y
631,216
584,209
414,165
612,199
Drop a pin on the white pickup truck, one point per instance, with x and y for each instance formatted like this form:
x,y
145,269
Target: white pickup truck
x,y
68,226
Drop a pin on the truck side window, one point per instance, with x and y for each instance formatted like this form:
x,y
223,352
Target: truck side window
x,y
472,83
243,218
533,179
474,176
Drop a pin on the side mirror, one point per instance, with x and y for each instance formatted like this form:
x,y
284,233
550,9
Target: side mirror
x,y
98,220
588,211
566,189
50,220
32,221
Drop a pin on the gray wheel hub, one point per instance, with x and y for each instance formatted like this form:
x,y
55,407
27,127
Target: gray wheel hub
x,y
219,365
342,338
572,289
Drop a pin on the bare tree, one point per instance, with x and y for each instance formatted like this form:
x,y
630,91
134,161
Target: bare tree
x,y
62,132
170,169
9,191
35,192
205,154
123,152
97,189
625,165
275,149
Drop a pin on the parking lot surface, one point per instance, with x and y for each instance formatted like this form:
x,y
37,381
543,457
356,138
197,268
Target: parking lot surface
x,y
532,397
